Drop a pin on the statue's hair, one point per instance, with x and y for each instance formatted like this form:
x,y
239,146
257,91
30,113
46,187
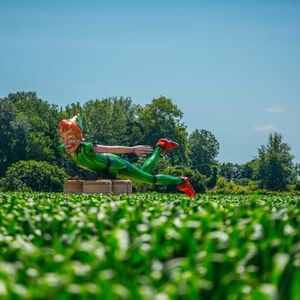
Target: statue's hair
x,y
66,124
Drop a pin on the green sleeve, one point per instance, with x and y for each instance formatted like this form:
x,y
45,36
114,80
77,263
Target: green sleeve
x,y
87,147
61,149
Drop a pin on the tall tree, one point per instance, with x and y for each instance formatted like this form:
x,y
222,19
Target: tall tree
x,y
204,149
28,129
235,172
12,130
274,165
112,121
230,171
163,119
297,170
248,169
71,110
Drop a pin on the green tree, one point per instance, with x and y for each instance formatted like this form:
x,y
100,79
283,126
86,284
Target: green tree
x,y
12,129
247,170
297,171
112,121
162,119
274,165
71,110
230,171
204,149
211,182
235,172
28,129
33,176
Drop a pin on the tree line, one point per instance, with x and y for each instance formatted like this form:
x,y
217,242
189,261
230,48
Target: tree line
x,y
28,133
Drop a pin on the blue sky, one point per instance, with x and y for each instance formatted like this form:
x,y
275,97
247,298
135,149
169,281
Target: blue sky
x,y
232,67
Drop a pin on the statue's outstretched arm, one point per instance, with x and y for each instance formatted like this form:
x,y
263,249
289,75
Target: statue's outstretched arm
x,y
140,150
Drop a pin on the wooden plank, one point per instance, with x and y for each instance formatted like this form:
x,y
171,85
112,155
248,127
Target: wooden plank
x,y
73,186
102,186
97,187
121,187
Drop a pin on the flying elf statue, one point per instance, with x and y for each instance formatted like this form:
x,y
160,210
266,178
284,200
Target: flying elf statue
x,y
102,158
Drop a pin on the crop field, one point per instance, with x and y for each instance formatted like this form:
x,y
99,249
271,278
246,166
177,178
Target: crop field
x,y
149,246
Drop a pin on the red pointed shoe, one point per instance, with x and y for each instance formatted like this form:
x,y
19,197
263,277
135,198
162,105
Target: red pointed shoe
x,y
167,145
186,187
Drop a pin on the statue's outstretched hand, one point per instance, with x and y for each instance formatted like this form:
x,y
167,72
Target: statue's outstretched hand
x,y
142,150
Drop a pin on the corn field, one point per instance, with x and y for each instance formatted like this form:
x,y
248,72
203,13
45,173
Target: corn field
x,y
149,246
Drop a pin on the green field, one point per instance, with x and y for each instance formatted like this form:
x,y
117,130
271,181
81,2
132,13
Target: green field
x,y
149,246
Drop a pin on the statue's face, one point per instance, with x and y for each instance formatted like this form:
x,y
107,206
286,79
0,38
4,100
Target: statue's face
x,y
70,141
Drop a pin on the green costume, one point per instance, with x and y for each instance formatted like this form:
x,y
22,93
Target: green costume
x,y
86,158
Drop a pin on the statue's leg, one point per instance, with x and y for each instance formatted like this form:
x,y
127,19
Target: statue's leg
x,y
137,175
151,161
163,146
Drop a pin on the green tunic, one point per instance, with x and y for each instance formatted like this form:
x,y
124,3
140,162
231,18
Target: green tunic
x,y
86,158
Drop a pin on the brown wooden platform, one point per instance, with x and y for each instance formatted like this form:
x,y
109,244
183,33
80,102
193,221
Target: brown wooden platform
x,y
101,186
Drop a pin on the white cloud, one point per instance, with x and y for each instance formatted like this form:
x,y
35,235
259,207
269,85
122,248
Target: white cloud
x,y
275,109
266,128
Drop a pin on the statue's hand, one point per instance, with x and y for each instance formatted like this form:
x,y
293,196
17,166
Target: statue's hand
x,y
142,150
